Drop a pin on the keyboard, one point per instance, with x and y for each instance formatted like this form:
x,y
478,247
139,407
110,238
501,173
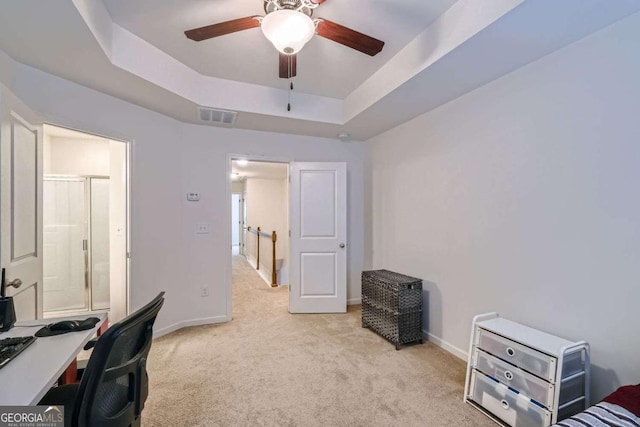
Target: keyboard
x,y
11,347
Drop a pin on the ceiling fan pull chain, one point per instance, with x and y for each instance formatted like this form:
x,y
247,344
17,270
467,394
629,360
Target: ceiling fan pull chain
x,y
289,95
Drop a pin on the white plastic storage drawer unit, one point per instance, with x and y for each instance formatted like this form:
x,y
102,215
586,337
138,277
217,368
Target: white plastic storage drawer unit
x,y
511,407
523,377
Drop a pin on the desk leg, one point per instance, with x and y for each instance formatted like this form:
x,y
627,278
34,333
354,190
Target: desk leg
x,y
70,375
104,327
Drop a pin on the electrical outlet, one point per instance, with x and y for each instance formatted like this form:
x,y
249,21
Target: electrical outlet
x,y
202,228
204,291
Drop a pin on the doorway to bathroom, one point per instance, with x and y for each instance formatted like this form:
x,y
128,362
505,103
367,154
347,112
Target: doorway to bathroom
x,y
85,217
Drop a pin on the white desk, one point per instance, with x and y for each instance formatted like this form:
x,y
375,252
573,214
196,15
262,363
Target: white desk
x,y
31,374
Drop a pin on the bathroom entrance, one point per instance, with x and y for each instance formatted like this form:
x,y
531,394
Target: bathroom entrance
x,y
84,224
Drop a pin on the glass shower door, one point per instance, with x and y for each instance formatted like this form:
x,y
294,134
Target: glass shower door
x,y
76,244
64,237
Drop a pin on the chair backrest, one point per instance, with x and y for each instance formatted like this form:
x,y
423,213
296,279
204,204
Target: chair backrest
x,y
114,385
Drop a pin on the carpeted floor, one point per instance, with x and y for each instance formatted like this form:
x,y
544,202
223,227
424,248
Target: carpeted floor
x,y
270,368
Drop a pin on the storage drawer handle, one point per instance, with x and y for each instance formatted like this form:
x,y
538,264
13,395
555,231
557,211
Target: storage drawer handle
x,y
511,352
505,404
508,375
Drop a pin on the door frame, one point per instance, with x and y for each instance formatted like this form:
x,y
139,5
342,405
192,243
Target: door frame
x,y
240,208
229,260
129,144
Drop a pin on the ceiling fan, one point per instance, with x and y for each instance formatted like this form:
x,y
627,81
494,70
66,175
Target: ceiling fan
x,y
289,26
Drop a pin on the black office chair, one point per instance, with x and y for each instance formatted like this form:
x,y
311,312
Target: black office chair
x,y
114,385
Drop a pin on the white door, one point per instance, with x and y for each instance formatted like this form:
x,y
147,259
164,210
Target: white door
x,y
21,204
318,224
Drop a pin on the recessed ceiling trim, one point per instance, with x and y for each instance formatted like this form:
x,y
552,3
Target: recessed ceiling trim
x,y
85,34
458,24
99,21
139,57
135,55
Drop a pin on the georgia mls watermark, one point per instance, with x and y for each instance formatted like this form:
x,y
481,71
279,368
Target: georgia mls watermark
x,y
32,416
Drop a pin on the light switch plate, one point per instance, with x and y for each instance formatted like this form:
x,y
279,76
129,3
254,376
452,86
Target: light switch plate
x,y
193,196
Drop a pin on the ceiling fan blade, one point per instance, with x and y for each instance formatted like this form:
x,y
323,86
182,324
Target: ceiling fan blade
x,y
287,66
216,30
348,37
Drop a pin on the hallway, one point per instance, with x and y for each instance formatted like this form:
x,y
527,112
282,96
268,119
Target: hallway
x,y
252,297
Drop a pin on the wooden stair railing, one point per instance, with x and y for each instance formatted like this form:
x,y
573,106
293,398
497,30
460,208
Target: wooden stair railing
x,y
274,239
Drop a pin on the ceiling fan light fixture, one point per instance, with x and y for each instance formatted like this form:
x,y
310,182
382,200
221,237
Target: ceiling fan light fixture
x,y
288,30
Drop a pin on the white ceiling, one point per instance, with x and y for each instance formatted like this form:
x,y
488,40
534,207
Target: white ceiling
x,y
136,51
324,67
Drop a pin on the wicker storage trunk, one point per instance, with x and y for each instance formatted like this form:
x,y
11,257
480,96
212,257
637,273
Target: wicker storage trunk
x,y
392,306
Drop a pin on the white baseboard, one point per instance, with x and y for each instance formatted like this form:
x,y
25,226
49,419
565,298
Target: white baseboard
x,y
266,276
264,273
354,301
184,324
461,354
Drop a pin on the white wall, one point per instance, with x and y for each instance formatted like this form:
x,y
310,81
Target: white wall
x,y
76,156
169,159
522,198
117,230
267,207
214,144
46,153
237,186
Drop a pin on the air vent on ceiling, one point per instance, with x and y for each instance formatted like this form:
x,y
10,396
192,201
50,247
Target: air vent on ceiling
x,y
214,115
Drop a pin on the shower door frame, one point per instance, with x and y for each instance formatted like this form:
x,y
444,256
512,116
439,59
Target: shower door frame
x,y
88,267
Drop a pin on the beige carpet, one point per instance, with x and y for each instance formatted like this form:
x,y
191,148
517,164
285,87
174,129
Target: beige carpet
x,y
270,368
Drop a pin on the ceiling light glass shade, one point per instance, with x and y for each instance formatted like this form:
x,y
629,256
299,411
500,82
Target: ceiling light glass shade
x,y
288,30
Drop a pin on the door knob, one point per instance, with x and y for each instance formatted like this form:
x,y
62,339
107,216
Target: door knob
x,y
342,245
16,283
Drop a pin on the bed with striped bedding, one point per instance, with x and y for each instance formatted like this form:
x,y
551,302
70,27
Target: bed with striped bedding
x,y
621,408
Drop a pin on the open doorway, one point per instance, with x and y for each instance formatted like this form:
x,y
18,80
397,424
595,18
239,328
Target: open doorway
x,y
314,266
260,210
85,223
